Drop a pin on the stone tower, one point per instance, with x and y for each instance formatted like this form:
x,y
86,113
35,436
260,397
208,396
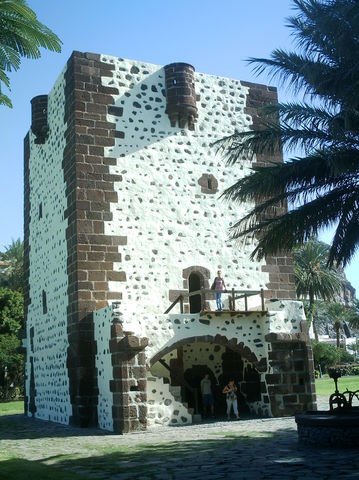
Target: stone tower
x,y
123,218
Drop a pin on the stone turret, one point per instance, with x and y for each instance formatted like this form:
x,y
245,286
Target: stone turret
x,y
39,124
181,95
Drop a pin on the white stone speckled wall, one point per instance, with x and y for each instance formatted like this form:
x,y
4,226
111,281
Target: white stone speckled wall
x,y
166,330
169,223
48,267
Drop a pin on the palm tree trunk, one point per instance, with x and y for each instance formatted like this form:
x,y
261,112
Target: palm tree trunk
x,y
311,315
337,332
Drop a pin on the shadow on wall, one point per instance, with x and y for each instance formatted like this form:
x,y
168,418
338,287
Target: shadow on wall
x,y
139,114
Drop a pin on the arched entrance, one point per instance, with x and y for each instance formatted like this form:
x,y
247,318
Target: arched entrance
x,y
195,281
187,361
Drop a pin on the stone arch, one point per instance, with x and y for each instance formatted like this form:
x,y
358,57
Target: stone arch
x,y
233,344
238,361
204,272
204,281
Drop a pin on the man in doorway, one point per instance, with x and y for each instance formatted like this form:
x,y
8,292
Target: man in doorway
x,y
219,286
207,396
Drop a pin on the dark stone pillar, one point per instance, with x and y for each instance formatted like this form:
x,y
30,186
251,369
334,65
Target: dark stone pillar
x,y
129,411
279,267
291,385
90,191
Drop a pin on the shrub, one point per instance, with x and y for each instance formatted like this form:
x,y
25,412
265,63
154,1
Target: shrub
x,y
324,355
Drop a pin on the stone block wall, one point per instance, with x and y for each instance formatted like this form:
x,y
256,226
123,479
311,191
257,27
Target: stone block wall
x,y
291,386
280,268
91,253
129,384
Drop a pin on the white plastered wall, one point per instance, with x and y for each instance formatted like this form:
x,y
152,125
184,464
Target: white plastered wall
x,y
169,223
48,267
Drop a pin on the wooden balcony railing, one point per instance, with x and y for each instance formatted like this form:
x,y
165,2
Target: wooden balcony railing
x,y
234,295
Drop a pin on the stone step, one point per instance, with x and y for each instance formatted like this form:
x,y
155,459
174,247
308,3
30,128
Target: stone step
x,y
197,418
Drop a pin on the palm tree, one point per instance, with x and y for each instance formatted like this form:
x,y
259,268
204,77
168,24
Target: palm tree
x,y
314,279
321,185
21,35
338,313
12,266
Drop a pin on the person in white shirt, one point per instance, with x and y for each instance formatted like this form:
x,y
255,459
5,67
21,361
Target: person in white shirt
x,y
230,390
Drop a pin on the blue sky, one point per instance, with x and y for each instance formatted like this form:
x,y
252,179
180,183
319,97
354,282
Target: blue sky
x,y
215,36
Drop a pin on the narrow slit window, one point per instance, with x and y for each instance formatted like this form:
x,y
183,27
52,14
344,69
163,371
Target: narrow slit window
x,y
44,302
40,210
209,183
32,332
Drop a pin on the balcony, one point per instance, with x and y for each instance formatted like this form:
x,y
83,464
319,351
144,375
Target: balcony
x,y
239,301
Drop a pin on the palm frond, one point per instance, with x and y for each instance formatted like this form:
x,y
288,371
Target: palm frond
x,y
21,35
286,230
322,185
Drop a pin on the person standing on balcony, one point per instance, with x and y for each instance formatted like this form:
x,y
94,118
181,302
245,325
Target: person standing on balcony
x,y
218,286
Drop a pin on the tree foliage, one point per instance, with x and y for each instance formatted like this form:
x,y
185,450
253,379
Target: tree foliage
x,y
12,267
339,313
321,185
11,311
21,35
11,321
324,355
313,278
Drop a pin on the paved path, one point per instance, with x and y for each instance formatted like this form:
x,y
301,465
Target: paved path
x,y
248,449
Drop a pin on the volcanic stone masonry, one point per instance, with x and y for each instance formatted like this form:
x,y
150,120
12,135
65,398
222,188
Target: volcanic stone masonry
x,y
123,215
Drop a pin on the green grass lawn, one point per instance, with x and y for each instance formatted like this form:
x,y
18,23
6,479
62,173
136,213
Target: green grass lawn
x,y
11,408
325,385
20,469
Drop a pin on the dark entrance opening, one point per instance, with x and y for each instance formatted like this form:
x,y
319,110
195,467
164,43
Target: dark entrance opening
x,y
194,283
246,379
193,377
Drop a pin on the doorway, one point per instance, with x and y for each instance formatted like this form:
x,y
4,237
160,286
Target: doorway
x,y
194,284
